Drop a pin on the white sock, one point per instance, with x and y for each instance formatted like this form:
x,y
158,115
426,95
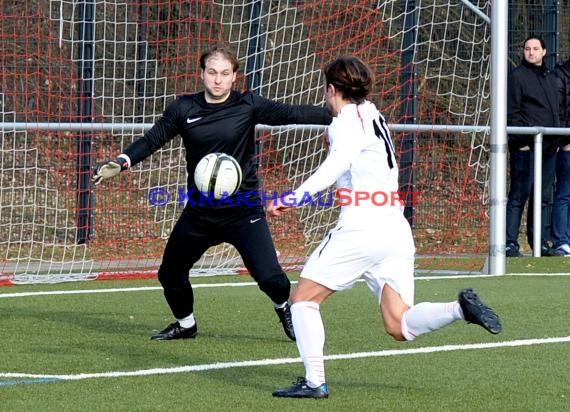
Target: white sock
x,y
310,334
188,321
426,317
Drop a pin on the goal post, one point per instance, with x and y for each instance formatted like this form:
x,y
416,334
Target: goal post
x,y
432,66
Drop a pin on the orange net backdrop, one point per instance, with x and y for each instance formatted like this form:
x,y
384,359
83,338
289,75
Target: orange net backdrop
x,y
120,63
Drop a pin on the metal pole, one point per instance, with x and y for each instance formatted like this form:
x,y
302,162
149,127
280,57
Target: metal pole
x,y
476,10
551,32
408,107
86,29
255,56
254,64
537,197
141,63
498,138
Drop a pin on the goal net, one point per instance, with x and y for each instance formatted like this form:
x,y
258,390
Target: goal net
x,y
81,80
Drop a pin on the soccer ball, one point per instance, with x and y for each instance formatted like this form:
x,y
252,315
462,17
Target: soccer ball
x,y
217,175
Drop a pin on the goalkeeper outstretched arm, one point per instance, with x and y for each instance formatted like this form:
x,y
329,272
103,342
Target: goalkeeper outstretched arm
x,y
163,130
110,168
134,153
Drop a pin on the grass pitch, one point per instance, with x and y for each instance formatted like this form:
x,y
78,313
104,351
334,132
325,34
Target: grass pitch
x,y
85,346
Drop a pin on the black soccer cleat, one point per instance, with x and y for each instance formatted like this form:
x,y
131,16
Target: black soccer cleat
x,y
475,311
284,314
301,389
175,331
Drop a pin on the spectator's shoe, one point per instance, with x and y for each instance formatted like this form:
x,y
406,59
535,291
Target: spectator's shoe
x,y
302,390
175,331
557,252
284,314
512,250
475,311
563,250
546,250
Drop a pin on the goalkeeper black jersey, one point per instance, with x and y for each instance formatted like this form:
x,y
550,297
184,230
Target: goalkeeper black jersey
x,y
227,127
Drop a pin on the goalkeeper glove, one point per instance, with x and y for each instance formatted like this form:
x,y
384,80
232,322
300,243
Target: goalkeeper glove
x,y
109,169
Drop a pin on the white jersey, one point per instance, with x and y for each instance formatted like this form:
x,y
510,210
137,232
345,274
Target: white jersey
x,y
372,239
362,163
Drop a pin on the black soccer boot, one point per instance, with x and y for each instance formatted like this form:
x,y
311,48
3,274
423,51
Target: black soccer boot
x,y
475,311
284,314
175,331
301,389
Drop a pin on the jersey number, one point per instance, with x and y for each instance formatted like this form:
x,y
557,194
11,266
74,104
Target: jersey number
x,y
382,133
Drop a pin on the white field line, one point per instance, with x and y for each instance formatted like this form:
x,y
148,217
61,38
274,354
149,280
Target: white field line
x,y
265,362
240,284
282,361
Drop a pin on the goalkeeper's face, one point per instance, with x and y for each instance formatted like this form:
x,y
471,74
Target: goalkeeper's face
x,y
218,77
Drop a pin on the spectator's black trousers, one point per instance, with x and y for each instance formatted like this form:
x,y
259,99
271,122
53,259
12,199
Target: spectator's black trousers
x,y
521,190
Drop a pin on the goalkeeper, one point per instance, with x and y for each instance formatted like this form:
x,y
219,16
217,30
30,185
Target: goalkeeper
x,y
369,241
217,119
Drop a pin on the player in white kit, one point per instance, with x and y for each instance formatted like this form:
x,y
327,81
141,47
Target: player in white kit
x,y
372,239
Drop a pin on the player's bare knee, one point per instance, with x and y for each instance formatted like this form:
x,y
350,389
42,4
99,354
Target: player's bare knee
x,y
395,333
394,329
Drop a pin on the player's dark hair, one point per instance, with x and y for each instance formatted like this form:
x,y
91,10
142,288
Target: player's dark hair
x,y
350,76
534,37
222,50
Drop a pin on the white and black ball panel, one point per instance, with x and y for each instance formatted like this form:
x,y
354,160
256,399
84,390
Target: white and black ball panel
x,y
218,175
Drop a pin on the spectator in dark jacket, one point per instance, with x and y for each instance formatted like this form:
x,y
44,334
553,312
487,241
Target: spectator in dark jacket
x,y
532,100
561,206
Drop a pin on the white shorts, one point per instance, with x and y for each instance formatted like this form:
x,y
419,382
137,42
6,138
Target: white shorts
x,y
381,253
